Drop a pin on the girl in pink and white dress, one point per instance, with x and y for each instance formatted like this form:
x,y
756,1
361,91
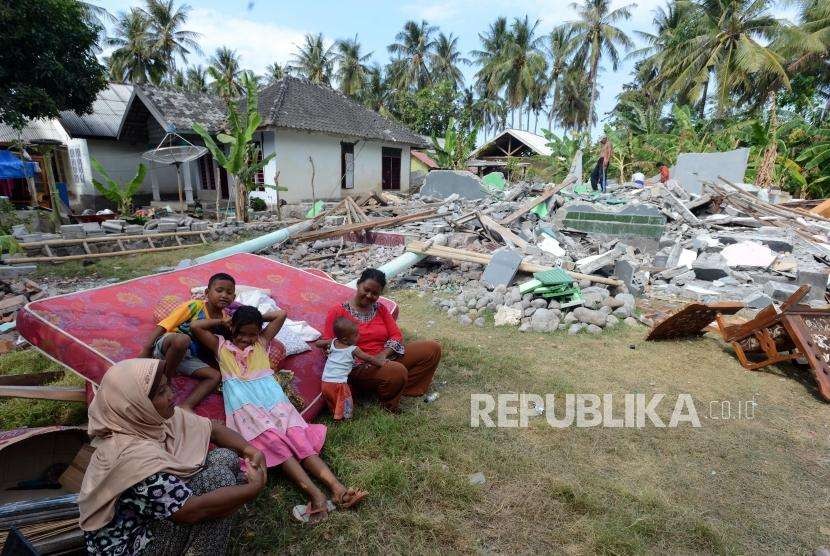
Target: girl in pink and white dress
x,y
258,409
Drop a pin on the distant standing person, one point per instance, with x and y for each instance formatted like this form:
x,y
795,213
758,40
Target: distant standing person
x,y
606,151
664,172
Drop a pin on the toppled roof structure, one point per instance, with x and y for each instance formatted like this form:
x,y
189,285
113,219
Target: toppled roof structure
x,y
513,142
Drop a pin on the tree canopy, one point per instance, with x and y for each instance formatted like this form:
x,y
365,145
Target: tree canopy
x,y
47,60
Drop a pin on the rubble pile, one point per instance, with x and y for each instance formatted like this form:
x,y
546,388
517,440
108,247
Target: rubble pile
x,y
722,243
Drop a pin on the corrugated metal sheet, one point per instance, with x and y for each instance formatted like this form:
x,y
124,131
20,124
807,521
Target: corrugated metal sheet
x,y
107,113
36,131
536,143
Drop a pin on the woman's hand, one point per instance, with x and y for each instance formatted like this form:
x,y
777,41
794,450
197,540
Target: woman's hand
x,y
255,475
253,455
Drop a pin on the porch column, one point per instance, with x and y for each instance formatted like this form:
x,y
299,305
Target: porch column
x,y
188,184
154,181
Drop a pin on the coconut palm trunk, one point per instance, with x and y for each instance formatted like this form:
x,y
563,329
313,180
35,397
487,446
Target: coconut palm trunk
x,y
765,171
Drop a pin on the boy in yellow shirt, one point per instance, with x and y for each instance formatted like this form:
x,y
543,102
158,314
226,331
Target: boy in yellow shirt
x,y
173,342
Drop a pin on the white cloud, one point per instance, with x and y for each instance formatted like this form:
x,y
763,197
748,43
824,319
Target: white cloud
x,y
435,12
257,43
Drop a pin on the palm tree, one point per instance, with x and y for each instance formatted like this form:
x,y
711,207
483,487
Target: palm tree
x,y
352,70
445,60
376,91
729,47
274,72
597,34
166,31
572,112
225,72
493,44
559,49
196,79
134,59
313,60
520,64
412,51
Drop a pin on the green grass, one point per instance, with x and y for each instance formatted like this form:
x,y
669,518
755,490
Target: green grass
x,y
737,486
731,486
16,413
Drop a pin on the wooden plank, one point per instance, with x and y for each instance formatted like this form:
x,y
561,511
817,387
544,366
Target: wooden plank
x,y
61,393
31,379
494,227
530,203
381,223
822,209
483,258
340,254
27,260
114,237
48,251
150,241
89,251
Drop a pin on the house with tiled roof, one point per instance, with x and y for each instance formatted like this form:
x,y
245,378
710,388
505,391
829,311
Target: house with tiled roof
x,y
312,129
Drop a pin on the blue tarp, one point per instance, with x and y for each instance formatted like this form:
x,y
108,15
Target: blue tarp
x,y
12,167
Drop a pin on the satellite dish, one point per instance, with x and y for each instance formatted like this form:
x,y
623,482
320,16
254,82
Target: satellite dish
x,y
168,153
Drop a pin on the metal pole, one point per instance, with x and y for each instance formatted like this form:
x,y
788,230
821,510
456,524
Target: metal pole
x,y
258,243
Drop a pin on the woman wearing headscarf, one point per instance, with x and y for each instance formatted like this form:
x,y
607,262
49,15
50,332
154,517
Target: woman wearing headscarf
x,y
152,486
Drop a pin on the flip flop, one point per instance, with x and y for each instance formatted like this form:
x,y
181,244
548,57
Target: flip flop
x,y
356,497
302,513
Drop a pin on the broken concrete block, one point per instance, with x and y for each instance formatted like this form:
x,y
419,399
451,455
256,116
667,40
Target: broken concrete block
x,y
8,272
757,300
502,266
627,272
779,291
443,183
748,254
589,265
710,266
11,304
816,279
633,221
693,169
133,229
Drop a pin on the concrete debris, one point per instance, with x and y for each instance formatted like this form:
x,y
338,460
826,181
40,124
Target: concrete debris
x,y
441,184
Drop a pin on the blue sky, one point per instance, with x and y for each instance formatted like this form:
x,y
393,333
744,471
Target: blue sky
x,y
265,31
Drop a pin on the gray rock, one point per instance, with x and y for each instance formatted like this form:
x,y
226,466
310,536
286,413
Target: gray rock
x,y
631,321
575,328
621,312
593,329
611,320
480,322
539,303
779,291
477,478
613,302
524,327
627,299
605,310
591,300
589,316
452,311
570,318
465,320
553,304
529,311
816,279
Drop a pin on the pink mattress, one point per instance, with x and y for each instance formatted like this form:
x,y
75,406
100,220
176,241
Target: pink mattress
x,y
88,331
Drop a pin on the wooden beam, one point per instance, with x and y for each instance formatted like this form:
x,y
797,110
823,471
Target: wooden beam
x,y
26,260
30,379
530,203
484,258
340,254
495,228
380,223
59,393
114,237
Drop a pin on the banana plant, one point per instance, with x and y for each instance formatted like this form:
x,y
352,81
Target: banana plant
x,y
121,195
242,158
458,145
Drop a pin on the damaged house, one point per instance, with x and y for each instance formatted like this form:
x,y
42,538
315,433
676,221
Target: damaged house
x,y
315,132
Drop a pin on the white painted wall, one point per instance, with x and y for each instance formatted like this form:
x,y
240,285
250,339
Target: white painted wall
x,y
293,149
121,161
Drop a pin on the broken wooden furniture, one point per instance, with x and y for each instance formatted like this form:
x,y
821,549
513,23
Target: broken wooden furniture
x,y
37,488
691,320
784,333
